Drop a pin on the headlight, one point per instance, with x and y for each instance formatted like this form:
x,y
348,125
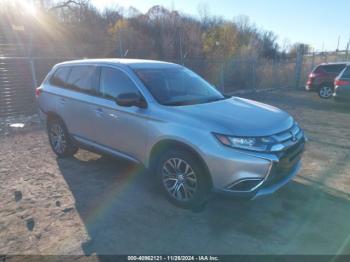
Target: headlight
x,y
248,143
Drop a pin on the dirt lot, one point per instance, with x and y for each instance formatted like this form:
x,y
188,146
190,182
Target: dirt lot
x,y
92,204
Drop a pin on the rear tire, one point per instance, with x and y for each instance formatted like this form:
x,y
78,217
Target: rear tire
x,y
60,140
325,91
182,179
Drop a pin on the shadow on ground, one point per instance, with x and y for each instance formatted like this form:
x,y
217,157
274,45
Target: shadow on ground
x,y
124,213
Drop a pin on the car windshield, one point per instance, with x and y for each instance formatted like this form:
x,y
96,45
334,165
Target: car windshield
x,y
178,86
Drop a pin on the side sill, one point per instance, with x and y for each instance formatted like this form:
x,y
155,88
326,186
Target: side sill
x,y
104,149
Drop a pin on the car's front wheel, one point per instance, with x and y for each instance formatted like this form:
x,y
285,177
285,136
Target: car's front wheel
x,y
183,179
59,138
325,91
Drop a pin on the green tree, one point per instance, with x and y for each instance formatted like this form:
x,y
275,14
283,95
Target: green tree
x,y
220,42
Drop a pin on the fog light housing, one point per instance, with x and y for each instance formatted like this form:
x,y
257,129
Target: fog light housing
x,y
248,184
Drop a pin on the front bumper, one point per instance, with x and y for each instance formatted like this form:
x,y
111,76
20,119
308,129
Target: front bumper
x,y
269,189
282,167
310,87
342,94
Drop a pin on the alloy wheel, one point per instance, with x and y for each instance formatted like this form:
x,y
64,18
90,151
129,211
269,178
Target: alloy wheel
x,y
326,91
179,179
58,138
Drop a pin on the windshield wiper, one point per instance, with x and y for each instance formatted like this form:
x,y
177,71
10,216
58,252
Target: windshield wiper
x,y
213,99
194,101
180,103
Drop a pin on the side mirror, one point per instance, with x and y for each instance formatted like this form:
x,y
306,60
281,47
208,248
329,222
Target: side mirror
x,y
130,99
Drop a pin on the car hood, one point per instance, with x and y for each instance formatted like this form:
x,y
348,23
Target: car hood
x,y
238,116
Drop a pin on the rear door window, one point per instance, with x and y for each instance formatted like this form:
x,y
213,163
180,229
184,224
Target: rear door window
x,y
83,79
114,82
60,77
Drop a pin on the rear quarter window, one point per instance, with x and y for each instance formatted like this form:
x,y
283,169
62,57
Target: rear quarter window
x,y
83,79
333,68
317,69
60,76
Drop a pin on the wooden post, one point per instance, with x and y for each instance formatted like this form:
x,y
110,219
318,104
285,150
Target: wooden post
x,y
298,65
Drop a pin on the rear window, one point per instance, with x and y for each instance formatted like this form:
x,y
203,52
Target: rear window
x,y
346,73
83,79
60,76
332,68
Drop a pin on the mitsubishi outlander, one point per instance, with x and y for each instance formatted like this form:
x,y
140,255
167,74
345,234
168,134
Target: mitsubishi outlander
x,y
192,138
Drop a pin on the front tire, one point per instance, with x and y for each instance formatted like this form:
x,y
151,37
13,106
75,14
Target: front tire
x,y
59,138
325,91
183,179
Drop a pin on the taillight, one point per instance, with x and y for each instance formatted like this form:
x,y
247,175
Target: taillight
x,y
311,78
38,91
339,82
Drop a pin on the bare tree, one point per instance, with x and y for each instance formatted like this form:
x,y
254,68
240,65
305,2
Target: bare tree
x,y
69,3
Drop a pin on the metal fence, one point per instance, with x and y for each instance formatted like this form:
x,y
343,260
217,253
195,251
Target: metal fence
x,y
16,87
20,75
244,73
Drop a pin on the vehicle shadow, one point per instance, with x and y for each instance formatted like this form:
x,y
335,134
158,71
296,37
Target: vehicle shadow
x,y
124,213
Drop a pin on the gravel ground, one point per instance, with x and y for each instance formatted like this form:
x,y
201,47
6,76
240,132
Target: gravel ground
x,y
98,205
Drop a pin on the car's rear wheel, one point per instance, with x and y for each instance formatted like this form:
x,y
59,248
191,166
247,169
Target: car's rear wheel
x,y
59,138
325,91
183,179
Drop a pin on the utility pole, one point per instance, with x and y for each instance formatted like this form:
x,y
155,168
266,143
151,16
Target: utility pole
x,y
313,59
31,59
338,44
337,50
30,54
347,50
180,45
298,65
120,43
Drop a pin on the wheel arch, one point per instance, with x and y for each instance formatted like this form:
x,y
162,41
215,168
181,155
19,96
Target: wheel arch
x,y
165,144
325,83
52,115
72,146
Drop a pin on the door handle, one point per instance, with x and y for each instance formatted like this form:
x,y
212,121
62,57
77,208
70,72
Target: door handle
x,y
113,116
98,111
62,100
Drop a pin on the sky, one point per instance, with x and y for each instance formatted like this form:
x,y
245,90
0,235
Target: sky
x,y
318,23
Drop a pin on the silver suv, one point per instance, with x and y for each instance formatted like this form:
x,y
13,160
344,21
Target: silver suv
x,y
164,116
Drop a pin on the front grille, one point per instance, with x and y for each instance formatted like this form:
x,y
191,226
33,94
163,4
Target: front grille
x,y
287,138
288,160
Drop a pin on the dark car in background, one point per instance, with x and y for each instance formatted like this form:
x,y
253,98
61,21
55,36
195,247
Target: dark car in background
x,y
342,85
321,79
